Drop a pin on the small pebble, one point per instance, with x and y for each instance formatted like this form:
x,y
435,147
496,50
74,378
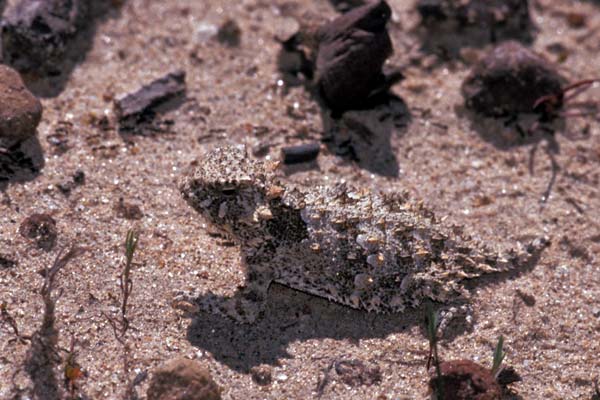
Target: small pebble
x,y
41,228
576,20
465,380
229,34
20,110
134,108
261,374
301,153
38,35
182,379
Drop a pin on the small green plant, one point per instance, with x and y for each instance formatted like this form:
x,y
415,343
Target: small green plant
x,y
121,325
499,355
432,326
125,282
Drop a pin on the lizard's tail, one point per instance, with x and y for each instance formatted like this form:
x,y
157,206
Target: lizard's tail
x,y
525,257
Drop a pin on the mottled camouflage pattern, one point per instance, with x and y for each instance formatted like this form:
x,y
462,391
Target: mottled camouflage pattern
x,y
377,252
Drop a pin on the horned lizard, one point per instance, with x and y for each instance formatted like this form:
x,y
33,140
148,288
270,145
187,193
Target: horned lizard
x,y
371,251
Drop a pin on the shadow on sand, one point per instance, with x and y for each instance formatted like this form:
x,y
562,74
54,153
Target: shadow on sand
x,y
291,316
360,135
524,130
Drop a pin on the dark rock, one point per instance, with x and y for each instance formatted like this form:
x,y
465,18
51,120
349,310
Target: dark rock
x,y
301,153
140,106
261,374
510,80
465,380
79,177
20,111
229,34
36,34
351,52
41,228
182,379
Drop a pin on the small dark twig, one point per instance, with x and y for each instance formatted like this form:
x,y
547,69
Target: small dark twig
x,y
322,384
6,317
43,355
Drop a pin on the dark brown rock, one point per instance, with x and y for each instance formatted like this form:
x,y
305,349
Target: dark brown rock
x,y
351,52
20,111
261,374
182,379
510,80
140,106
229,34
465,380
300,153
36,34
41,228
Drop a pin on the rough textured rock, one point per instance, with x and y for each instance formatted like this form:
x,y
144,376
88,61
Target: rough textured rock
x,y
36,34
466,380
182,379
20,110
509,80
344,57
351,53
134,108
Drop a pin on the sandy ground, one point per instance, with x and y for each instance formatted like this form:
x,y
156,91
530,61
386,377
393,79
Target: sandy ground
x,y
476,172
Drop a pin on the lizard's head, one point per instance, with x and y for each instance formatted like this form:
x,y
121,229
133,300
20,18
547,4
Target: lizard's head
x,y
373,16
229,189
